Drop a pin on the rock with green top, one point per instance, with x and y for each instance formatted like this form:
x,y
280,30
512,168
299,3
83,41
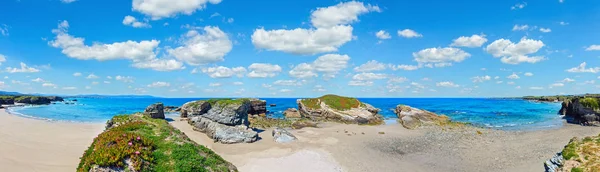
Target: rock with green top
x,y
577,155
339,109
582,110
412,118
194,108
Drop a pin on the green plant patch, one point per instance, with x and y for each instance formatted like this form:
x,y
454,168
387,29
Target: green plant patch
x,y
590,102
333,101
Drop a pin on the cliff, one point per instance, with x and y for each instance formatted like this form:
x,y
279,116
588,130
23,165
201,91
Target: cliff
x,y
339,109
582,110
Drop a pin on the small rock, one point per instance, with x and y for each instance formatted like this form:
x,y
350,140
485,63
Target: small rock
x,y
381,132
281,135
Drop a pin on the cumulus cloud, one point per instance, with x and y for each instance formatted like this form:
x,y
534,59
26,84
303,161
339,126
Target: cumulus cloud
x,y
545,30
77,74
369,76
142,53
440,57
360,83
331,30
224,72
512,53
382,34
329,65
48,85
24,69
582,69
528,74
593,48
91,76
518,6
520,27
159,84
67,1
446,84
372,65
567,80
133,22
263,70
158,9
481,78
408,33
125,79
202,48
404,67
513,76
2,59
287,83
471,42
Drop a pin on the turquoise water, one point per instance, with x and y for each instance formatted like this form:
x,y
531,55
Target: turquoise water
x,y
505,114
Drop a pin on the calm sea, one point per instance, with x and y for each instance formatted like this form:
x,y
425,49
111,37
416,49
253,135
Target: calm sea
x,y
505,114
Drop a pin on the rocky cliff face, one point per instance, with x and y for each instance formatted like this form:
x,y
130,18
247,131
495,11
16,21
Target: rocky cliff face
x,y
155,110
340,109
412,118
258,107
583,110
224,120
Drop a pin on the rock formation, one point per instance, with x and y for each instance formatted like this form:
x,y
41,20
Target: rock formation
x,y
292,113
281,135
577,155
224,120
258,107
582,110
156,111
412,118
340,109
34,100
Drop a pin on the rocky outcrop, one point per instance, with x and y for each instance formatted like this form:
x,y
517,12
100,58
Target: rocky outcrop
x,y
554,163
155,110
281,135
292,113
171,109
34,100
224,120
412,118
577,155
339,109
55,98
582,110
258,107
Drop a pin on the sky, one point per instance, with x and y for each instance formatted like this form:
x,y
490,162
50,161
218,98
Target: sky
x,y
273,48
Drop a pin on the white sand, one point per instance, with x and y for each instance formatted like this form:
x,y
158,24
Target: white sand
x,y
37,145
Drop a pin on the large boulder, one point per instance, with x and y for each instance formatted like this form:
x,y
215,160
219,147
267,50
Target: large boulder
x,y
412,118
156,110
582,110
339,109
224,120
292,113
257,107
281,135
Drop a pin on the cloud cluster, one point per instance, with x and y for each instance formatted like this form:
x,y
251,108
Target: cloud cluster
x,y
329,65
516,53
158,9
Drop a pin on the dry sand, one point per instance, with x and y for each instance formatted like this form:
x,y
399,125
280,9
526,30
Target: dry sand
x,y
36,145
340,147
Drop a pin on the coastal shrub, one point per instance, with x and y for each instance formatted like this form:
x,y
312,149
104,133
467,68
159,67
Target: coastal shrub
x,y
160,147
333,101
575,169
590,102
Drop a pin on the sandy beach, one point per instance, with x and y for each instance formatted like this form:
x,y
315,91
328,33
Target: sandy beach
x,y
37,145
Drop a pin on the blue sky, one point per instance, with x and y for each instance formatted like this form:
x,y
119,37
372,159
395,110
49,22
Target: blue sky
x,y
227,48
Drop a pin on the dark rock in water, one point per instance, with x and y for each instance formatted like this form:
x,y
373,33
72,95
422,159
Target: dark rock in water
x,y
155,110
56,99
582,110
258,107
339,109
292,113
412,118
281,135
272,105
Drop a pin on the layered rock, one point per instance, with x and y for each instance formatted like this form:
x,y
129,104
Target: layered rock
x,y
224,120
155,110
412,118
292,113
281,135
582,110
258,107
340,109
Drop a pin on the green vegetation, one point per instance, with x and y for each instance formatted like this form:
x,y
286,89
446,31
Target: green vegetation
x,y
585,151
264,123
590,102
575,169
226,101
333,101
150,145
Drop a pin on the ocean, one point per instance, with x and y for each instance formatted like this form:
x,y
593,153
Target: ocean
x,y
504,114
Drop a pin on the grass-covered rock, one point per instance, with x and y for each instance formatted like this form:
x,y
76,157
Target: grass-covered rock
x,y
581,155
339,109
139,143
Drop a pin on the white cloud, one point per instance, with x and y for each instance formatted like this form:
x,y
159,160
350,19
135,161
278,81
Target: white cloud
x,y
2,59
91,76
581,69
38,80
287,83
440,56
545,30
328,64
4,30
159,84
369,76
224,72
158,9
77,74
481,78
263,70
528,74
471,42
372,65
408,33
302,41
48,85
88,87
125,79
142,53
397,79
107,82
214,84
446,84
568,80
519,6
360,83
593,48
203,48
95,83
520,27
341,14
513,76
382,34
285,90
69,88
404,67
238,83
561,1
563,23
133,22
536,88
108,77
24,69
303,70
67,1
512,53
557,85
